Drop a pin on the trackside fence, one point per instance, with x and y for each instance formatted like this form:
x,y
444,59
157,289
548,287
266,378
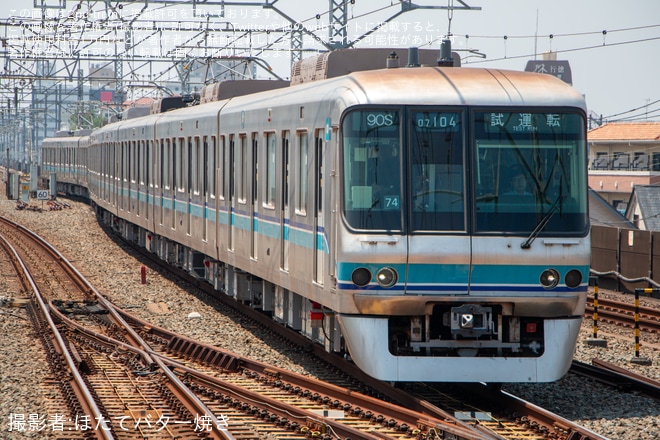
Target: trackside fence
x,y
625,259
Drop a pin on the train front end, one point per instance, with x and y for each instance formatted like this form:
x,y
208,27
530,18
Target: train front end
x,y
464,242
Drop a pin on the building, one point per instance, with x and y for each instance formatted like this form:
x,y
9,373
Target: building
x,y
644,207
102,76
602,213
623,155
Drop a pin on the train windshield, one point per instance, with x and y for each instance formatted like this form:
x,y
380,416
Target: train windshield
x,y
530,174
372,169
374,177
527,176
436,171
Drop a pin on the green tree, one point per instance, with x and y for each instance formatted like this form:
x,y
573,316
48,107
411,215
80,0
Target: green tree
x,y
86,115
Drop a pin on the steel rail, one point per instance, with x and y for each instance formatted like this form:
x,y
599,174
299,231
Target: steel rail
x,y
389,391
212,355
188,398
281,409
77,383
624,314
648,386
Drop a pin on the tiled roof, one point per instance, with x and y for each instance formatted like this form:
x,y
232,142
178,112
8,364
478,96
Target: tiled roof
x,y
143,101
604,214
648,199
626,131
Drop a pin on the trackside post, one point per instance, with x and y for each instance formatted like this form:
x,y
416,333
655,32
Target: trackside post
x,y
637,359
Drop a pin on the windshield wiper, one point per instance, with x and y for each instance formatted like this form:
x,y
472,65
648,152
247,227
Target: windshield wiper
x,y
542,223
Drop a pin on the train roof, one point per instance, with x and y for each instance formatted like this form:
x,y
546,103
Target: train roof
x,y
424,85
232,88
447,86
465,86
343,62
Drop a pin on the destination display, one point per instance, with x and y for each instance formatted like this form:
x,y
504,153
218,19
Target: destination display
x,y
526,122
445,121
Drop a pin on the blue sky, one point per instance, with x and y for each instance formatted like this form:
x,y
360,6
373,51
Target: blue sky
x,y
617,70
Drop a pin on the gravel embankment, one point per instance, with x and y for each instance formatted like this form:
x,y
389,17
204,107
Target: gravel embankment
x,y
114,272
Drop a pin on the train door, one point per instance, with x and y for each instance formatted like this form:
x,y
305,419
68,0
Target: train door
x,y
113,167
254,197
439,249
191,178
119,175
126,176
300,183
103,167
231,205
148,176
110,162
132,175
285,215
207,164
174,166
185,182
115,157
318,207
139,177
161,178
221,172
198,196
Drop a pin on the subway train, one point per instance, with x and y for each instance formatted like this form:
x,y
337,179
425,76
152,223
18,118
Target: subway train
x,y
429,222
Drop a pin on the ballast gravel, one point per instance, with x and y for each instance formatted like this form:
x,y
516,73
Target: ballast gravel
x,y
114,271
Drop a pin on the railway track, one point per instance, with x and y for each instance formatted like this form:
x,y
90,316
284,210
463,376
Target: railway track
x,y
229,386
623,314
241,389
82,377
113,358
496,413
617,377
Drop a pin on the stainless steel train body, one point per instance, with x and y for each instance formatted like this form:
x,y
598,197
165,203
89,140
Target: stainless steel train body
x,y
373,213
66,156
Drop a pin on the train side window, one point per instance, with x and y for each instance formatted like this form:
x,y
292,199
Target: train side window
x,y
181,165
204,164
125,162
242,190
270,163
134,154
285,169
198,164
140,161
210,161
173,165
164,162
255,167
221,167
148,163
191,171
301,175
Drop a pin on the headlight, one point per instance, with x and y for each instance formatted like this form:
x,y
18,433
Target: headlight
x,y
361,276
573,278
549,278
387,277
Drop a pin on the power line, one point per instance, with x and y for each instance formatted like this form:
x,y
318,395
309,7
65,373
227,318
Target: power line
x,y
634,109
572,34
577,49
641,117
